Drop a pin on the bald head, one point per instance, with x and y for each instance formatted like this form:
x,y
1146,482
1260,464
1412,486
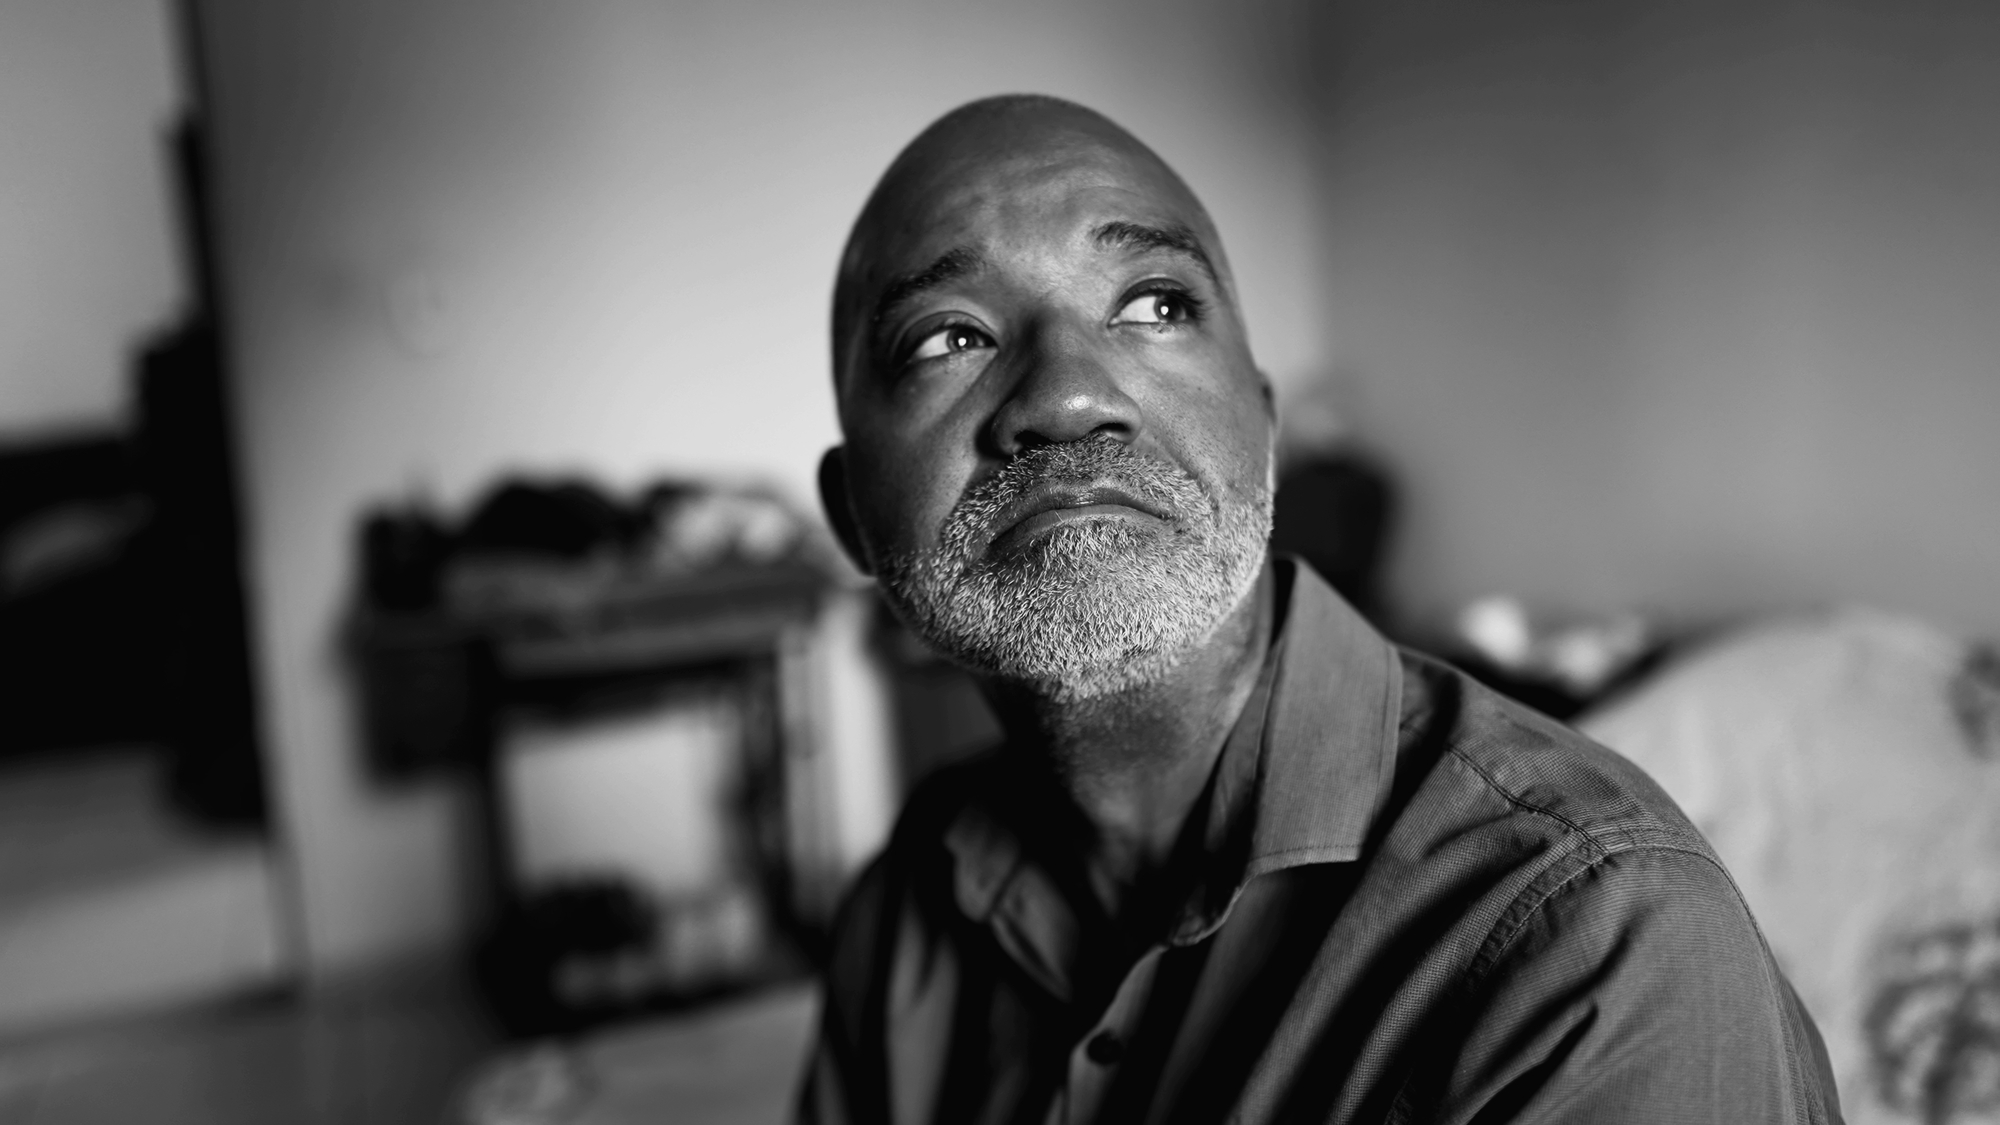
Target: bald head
x,y
1057,446
990,159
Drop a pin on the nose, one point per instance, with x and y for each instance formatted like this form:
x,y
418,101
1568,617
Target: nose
x,y
1065,392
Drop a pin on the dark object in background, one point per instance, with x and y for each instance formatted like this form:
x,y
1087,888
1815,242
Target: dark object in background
x,y
565,519
184,446
1333,510
39,476
528,967
429,691
143,638
403,552
82,643
130,625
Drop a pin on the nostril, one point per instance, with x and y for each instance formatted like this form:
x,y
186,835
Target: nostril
x,y
1012,442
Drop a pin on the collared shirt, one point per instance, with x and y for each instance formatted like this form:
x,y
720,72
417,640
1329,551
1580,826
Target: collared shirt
x,y
1408,899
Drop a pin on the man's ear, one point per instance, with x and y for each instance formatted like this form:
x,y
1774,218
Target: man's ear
x,y
839,509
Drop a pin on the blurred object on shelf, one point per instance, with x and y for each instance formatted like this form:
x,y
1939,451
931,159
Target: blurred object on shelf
x,y
548,546
1557,664
557,547
559,578
559,518
695,529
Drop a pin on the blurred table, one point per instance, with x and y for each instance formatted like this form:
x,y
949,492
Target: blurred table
x,y
444,688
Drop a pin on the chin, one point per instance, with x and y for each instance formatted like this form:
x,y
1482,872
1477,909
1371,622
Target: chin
x,y
1083,612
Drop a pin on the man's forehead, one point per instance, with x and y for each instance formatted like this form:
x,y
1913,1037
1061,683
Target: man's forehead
x,y
1014,169
1031,200
1055,219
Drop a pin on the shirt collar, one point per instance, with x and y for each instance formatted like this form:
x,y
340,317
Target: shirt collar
x,y
1328,751
1301,780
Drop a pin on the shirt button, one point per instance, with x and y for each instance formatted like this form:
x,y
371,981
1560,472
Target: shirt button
x,y
1104,1049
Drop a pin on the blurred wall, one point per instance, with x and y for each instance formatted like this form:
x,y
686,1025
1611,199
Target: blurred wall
x,y
464,237
1690,306
89,259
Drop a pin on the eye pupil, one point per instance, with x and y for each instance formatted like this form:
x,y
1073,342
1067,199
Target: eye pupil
x,y
1164,307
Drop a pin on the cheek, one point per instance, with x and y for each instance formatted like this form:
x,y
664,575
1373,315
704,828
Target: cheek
x,y
902,493
1219,431
912,455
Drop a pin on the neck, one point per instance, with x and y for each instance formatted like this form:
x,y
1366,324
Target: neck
x,y
1134,762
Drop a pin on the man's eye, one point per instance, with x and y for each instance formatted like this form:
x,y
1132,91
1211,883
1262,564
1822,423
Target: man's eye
x,y
949,339
1158,306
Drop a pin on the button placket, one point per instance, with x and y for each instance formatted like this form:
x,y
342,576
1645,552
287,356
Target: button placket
x,y
1095,1060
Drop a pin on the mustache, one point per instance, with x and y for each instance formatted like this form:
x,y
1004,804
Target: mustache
x,y
1094,461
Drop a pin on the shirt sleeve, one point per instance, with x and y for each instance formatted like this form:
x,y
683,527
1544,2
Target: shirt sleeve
x,y
1638,990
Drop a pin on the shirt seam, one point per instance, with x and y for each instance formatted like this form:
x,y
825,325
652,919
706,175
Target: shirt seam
x,y
1588,837
1520,918
1529,904
1515,918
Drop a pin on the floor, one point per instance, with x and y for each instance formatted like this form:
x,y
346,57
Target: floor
x,y
736,1062
389,1051
141,981
143,977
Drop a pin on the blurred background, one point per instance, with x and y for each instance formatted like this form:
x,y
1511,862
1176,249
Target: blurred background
x,y
429,692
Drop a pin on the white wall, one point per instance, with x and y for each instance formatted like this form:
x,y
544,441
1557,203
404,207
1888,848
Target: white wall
x,y
462,237
1689,306
89,258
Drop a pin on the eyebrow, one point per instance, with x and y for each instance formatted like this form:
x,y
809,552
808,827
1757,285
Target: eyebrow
x,y
1120,234
949,266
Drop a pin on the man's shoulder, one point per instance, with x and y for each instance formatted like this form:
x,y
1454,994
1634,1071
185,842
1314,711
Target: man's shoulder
x,y
1468,745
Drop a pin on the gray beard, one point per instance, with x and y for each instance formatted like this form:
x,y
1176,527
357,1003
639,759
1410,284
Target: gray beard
x,y
1089,608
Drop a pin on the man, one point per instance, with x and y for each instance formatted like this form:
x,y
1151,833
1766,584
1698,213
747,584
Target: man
x,y
1240,859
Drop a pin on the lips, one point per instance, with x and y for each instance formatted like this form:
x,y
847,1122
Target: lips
x,y
1046,507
